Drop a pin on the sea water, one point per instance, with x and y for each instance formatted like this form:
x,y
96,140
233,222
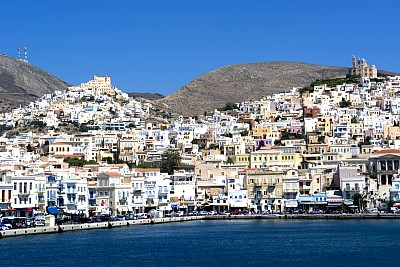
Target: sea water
x,y
214,243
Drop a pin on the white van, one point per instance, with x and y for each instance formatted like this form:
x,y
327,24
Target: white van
x,y
142,216
39,219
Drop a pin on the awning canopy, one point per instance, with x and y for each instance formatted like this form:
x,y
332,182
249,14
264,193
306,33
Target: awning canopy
x,y
123,209
238,204
53,210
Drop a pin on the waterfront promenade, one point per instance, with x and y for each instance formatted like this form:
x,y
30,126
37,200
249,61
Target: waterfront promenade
x,y
127,223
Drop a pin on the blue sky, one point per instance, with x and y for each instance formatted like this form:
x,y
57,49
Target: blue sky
x,y
159,46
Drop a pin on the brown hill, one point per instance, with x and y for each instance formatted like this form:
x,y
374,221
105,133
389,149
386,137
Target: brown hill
x,y
148,96
21,83
243,82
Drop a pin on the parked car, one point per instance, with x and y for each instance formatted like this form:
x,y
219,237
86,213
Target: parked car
x,y
299,211
377,211
105,217
95,219
203,213
235,212
116,218
4,226
142,216
213,212
318,211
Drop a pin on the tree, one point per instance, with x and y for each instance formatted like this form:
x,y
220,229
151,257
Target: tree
x,y
145,165
227,135
213,146
244,133
75,161
359,200
170,160
344,103
29,148
229,106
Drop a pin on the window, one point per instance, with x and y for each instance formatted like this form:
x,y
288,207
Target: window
x,y
357,187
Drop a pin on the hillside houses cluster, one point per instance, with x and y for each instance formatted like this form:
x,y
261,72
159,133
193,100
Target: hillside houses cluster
x,y
325,147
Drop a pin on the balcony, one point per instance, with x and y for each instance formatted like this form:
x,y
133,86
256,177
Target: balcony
x,y
162,192
349,189
21,194
40,191
163,204
290,190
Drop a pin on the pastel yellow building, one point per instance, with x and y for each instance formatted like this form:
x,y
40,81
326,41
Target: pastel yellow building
x,y
282,157
264,189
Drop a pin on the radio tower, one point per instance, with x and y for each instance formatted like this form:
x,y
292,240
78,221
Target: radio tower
x,y
25,54
18,53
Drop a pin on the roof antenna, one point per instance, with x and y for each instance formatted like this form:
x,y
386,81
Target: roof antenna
x,y
18,53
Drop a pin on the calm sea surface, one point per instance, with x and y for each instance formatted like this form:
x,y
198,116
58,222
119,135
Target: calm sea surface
x,y
214,243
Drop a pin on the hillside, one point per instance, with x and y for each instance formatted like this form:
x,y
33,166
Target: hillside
x,y
148,96
21,82
243,82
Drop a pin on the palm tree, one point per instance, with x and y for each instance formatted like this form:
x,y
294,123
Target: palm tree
x,y
359,200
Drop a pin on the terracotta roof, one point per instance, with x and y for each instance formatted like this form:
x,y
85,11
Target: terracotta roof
x,y
69,156
147,169
113,173
387,151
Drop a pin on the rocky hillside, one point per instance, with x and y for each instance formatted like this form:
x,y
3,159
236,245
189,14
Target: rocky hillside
x,y
21,83
243,82
148,96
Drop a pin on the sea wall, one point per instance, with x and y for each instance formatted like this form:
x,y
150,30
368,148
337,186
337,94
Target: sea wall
x,y
309,216
111,224
90,226
28,231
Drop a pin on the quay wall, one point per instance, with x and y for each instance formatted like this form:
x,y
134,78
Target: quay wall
x,y
90,226
29,231
111,224
309,216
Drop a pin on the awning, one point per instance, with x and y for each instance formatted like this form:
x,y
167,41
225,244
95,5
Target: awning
x,y
123,209
53,210
348,202
335,200
238,205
